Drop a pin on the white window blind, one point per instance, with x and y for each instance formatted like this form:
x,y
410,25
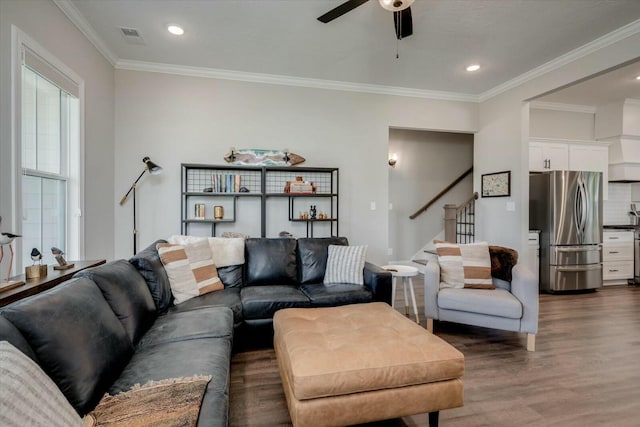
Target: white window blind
x,y
51,73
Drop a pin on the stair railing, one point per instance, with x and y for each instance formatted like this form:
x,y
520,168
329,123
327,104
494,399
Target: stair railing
x,y
442,193
459,221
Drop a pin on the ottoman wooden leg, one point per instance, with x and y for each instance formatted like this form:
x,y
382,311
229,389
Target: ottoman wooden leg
x,y
433,418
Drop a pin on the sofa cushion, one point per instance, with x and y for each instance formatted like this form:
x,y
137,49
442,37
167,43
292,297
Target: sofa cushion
x,y
127,293
312,257
208,322
496,302
271,261
149,265
190,269
207,356
345,264
464,265
261,302
337,294
10,333
231,275
28,397
228,297
200,356
82,316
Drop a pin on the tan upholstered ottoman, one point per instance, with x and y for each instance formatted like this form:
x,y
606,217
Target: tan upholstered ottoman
x,y
363,362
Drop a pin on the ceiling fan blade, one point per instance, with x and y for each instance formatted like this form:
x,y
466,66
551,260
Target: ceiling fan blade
x,y
403,23
337,12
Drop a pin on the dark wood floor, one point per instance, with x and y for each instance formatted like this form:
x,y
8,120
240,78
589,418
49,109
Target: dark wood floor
x,y
585,371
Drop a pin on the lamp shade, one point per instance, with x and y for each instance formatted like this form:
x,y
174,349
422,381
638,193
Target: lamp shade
x,y
153,168
395,5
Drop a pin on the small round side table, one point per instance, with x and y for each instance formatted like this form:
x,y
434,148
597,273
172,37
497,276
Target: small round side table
x,y
406,273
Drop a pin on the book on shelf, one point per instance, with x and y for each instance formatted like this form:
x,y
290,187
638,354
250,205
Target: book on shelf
x,y
199,211
225,183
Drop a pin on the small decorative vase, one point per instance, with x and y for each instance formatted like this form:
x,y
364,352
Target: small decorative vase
x,y
218,212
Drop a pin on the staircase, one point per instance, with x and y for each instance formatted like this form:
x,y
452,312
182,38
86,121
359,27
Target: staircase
x,y
459,221
459,224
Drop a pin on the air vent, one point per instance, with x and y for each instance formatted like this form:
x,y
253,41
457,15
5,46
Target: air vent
x,y
131,35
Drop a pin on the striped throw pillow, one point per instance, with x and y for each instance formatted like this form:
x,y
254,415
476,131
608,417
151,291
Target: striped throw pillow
x,y
28,396
345,264
464,265
190,269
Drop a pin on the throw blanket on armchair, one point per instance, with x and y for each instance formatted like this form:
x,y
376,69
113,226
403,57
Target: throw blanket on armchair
x,y
502,262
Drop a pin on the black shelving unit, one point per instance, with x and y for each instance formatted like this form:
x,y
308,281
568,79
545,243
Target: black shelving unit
x,y
265,182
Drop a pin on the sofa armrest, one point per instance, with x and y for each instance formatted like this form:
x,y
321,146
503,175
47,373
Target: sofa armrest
x,y
379,281
431,288
525,288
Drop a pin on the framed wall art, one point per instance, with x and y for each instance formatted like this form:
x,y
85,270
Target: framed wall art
x,y
496,184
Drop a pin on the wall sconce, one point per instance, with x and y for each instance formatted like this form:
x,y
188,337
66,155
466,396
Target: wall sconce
x,y
393,160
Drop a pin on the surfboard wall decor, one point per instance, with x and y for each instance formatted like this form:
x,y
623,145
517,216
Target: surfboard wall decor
x,y
260,157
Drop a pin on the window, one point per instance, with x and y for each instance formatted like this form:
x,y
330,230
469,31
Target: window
x,y
49,155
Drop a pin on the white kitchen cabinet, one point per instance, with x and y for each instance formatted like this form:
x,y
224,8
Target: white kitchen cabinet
x,y
548,156
617,257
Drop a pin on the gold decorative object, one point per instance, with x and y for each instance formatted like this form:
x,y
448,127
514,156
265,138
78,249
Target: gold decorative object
x,y
218,212
35,271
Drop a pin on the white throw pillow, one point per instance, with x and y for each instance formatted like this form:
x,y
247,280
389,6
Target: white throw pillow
x,y
225,251
190,269
28,397
345,264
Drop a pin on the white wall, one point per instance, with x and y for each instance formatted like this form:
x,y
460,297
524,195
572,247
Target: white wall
x,y
544,123
177,119
47,25
427,163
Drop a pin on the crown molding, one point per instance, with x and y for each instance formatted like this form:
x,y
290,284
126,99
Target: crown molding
x,y
69,9
74,15
557,106
591,47
274,79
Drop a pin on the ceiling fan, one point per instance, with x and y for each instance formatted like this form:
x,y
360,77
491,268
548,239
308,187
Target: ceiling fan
x,y
401,14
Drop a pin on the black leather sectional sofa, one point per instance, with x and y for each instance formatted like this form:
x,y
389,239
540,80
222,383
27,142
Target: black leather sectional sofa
x,y
114,326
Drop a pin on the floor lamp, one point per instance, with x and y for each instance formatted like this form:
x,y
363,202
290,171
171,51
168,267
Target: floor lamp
x,y
153,169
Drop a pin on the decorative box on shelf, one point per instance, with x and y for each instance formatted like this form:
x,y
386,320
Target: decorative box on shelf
x,y
299,186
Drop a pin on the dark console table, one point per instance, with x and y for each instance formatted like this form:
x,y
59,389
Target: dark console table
x,y
40,284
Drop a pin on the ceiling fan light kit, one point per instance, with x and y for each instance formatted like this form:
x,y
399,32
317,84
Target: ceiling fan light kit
x,y
395,5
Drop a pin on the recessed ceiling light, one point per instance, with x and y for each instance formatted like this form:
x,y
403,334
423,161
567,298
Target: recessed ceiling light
x,y
638,78
474,67
175,30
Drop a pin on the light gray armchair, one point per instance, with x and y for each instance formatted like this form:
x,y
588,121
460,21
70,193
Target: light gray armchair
x,y
511,306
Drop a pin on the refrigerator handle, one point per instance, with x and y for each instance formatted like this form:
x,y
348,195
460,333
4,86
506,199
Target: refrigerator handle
x,y
581,209
588,267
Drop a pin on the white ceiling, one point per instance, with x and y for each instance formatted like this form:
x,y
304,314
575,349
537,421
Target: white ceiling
x,y
610,87
283,37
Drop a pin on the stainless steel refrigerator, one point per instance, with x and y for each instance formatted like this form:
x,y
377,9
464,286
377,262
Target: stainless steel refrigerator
x,y
566,206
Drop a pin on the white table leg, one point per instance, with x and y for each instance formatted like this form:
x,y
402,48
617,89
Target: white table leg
x,y
406,300
413,300
393,292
